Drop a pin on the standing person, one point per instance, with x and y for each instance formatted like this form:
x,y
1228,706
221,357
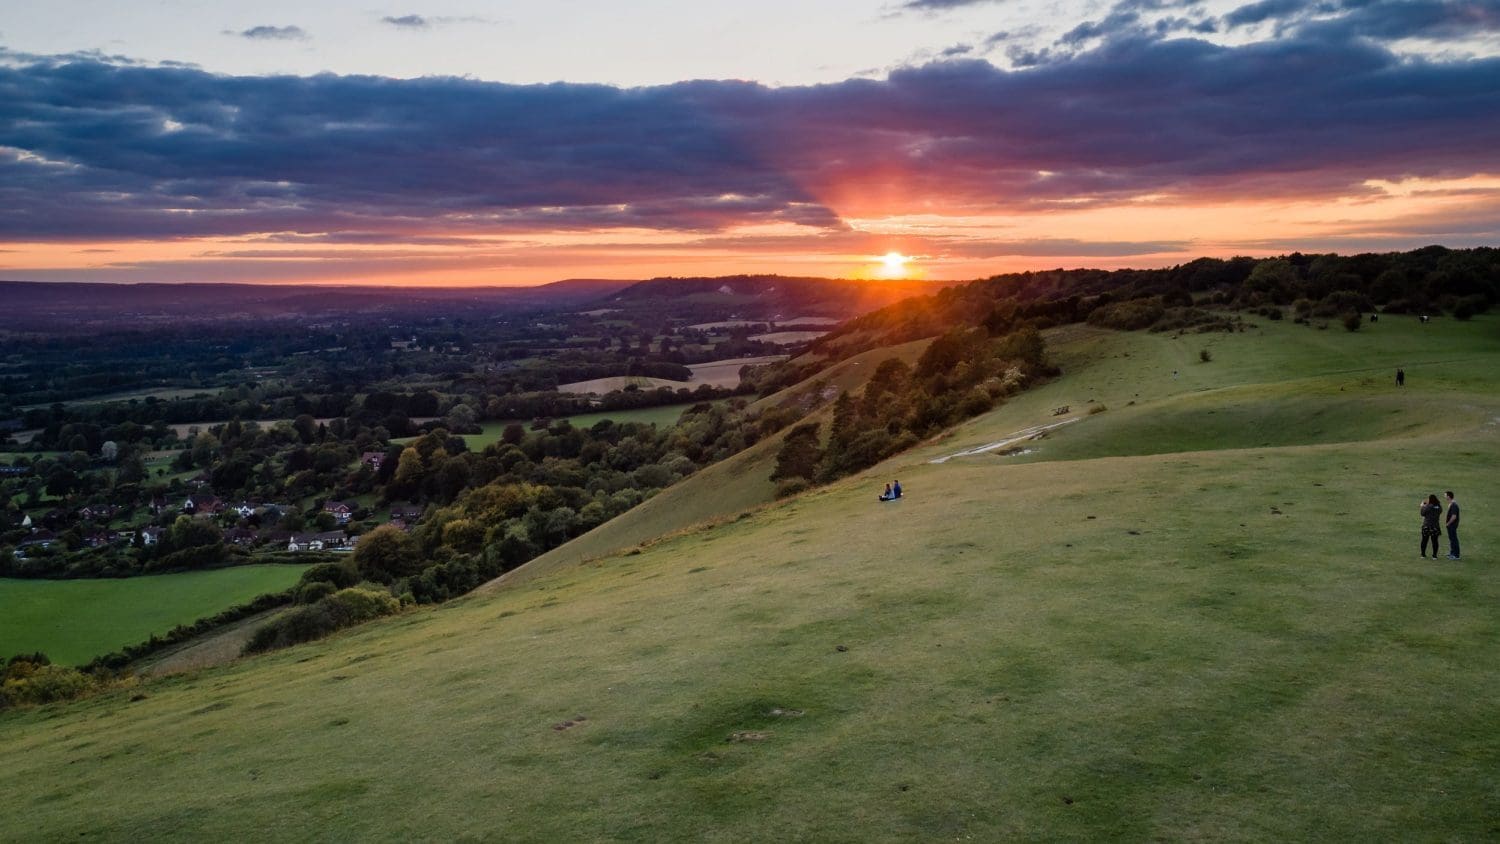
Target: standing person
x,y
1400,377
1452,526
1431,511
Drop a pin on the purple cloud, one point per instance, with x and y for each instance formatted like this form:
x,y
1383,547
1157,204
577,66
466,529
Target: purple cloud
x,y
91,148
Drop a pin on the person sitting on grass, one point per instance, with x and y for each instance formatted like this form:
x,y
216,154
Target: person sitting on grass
x,y
886,496
896,490
1430,510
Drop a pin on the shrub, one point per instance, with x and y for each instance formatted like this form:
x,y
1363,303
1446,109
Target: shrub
x,y
1352,321
27,682
1468,306
1205,355
356,605
343,608
1133,315
791,486
341,576
315,591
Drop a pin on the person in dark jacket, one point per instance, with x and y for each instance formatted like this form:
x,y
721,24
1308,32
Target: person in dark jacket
x,y
1400,377
1431,511
1453,553
896,490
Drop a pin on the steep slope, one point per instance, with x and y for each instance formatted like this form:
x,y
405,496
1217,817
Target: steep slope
x,y
727,489
1225,644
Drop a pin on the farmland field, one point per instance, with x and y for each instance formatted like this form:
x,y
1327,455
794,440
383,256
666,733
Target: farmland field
x,y
73,621
726,373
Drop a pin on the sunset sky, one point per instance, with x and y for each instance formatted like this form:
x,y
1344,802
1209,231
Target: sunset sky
x,y
519,143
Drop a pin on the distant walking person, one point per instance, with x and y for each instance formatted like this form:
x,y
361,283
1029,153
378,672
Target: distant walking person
x,y
1431,511
1400,377
1452,526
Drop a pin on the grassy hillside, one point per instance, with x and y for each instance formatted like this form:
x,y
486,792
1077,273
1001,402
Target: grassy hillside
x,y
73,621
725,489
1138,641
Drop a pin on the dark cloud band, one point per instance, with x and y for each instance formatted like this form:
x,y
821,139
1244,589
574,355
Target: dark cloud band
x,y
92,148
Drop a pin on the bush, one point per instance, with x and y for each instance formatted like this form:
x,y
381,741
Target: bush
x,y
341,576
1205,355
1468,306
341,609
1128,316
314,591
791,486
1352,321
28,682
356,605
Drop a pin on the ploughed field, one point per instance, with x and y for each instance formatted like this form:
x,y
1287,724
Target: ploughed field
x,y
73,621
1200,615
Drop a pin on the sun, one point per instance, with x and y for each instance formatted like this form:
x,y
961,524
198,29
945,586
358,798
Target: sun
x,y
893,265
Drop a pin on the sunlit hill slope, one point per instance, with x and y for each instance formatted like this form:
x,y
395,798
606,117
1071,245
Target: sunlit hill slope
x,y
1195,612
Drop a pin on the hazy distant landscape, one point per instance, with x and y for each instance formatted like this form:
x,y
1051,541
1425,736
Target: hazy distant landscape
x,y
913,420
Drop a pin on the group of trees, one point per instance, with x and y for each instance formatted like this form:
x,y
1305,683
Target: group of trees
x,y
1431,280
962,373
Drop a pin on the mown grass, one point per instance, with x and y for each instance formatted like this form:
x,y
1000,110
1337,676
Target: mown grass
x,y
1225,644
663,416
73,621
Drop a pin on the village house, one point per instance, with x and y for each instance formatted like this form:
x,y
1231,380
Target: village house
x,y
243,537
373,459
203,505
101,538
342,511
151,535
37,539
408,513
98,512
333,540
200,480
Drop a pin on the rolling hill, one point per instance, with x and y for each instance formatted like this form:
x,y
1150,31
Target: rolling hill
x,y
1193,614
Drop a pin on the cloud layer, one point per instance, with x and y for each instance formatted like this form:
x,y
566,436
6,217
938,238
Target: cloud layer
x,y
92,148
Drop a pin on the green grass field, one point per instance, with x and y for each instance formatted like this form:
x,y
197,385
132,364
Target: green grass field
x,y
664,416
73,621
492,431
1147,628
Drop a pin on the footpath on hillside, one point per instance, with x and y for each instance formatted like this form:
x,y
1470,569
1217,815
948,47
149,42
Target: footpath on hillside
x,y
1011,439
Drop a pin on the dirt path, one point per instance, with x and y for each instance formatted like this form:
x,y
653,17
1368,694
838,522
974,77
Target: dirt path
x,y
1018,436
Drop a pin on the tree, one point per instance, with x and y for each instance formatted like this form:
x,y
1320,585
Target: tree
x,y
799,453
188,532
408,477
109,451
387,553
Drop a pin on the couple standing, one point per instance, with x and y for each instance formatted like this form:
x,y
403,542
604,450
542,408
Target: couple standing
x,y
1431,511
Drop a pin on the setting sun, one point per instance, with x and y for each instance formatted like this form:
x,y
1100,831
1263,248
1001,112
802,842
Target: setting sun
x,y
893,264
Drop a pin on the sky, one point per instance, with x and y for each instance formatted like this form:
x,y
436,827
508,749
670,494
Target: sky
x,y
464,143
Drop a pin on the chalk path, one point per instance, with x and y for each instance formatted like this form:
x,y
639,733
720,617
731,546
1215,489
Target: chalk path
x,y
1018,436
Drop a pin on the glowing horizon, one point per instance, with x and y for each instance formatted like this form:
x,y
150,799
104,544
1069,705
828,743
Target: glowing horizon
x,y
1144,138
